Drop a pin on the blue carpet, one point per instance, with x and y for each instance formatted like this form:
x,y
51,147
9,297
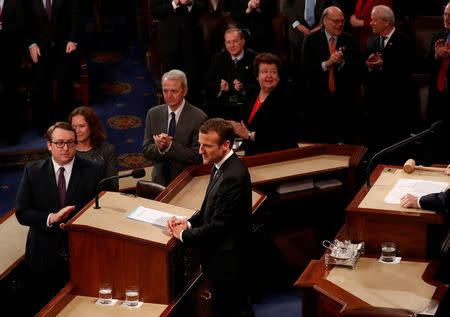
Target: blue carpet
x,y
280,304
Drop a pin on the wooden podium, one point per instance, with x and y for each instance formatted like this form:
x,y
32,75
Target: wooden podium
x,y
370,219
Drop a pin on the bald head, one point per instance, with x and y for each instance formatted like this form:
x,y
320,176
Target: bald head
x,y
333,20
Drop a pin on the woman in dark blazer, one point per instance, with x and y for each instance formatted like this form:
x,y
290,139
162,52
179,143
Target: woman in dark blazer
x,y
269,124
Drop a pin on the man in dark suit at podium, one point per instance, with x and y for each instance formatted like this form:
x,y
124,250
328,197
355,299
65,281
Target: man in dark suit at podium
x,y
222,228
50,193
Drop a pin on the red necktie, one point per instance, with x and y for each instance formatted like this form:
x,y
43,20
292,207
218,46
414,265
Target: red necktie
x,y
331,85
61,187
443,72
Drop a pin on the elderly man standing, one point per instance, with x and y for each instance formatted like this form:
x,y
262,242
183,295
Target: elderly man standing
x,y
439,97
331,60
171,130
388,58
231,80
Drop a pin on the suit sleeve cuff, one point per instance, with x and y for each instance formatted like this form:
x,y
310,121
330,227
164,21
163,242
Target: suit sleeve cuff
x,y
48,220
418,202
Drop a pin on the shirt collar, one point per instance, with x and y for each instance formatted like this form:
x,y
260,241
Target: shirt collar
x,y
328,35
178,111
241,56
388,37
68,167
219,164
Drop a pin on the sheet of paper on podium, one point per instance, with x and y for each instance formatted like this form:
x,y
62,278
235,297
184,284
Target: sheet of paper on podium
x,y
414,187
152,216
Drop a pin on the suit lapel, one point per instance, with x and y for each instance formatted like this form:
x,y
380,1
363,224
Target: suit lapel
x,y
74,182
183,121
50,182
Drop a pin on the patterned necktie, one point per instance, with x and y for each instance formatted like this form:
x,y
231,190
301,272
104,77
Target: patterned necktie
x,y
442,75
48,8
172,125
309,12
213,173
61,187
331,85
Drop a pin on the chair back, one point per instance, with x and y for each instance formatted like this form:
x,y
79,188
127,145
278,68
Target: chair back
x,y
148,189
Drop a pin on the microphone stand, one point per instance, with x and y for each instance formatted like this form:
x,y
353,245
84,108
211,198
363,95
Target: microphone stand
x,y
135,173
395,146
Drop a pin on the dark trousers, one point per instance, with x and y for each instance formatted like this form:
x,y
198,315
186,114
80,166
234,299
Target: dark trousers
x,y
231,299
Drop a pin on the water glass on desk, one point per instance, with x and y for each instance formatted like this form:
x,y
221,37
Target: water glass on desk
x,y
105,294
388,251
132,296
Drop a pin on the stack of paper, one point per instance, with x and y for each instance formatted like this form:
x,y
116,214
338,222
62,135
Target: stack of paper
x,y
413,187
152,216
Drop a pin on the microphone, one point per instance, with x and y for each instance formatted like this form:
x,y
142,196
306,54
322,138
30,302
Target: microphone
x,y
435,128
137,173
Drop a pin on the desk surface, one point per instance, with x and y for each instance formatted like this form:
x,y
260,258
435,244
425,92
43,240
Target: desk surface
x,y
389,176
13,237
386,285
85,306
112,217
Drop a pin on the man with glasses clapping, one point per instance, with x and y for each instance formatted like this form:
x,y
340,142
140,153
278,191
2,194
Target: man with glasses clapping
x,y
50,193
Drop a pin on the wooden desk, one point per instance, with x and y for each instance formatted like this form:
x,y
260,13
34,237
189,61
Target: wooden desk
x,y
373,288
271,169
370,219
67,304
105,246
13,237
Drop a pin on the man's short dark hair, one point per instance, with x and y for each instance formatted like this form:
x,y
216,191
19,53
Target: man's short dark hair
x,y
222,127
59,125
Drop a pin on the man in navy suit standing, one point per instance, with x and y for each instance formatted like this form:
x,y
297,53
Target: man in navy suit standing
x,y
51,192
222,229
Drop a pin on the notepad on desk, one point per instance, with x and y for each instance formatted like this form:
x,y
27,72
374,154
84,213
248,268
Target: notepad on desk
x,y
291,187
152,216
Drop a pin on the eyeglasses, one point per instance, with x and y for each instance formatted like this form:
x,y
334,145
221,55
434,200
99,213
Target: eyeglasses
x,y
336,21
60,144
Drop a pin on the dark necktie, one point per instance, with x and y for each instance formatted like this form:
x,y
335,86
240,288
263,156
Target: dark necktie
x,y
48,8
165,163
213,173
61,187
382,41
172,125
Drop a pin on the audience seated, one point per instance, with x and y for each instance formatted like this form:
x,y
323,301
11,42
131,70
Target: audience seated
x,y
231,80
269,123
331,62
92,144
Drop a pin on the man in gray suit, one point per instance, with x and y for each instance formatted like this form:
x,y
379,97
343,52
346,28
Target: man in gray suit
x,y
171,131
